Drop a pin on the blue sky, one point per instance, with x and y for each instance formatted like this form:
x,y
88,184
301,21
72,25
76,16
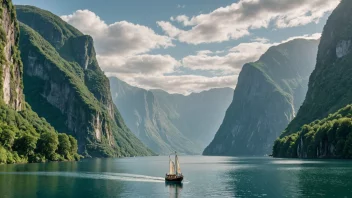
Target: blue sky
x,y
164,53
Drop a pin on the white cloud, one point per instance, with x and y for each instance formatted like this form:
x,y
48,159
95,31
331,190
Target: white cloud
x,y
182,19
185,84
122,48
204,52
120,38
236,20
232,62
315,36
169,28
138,64
161,71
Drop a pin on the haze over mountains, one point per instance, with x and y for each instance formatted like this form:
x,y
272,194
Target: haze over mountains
x,y
168,122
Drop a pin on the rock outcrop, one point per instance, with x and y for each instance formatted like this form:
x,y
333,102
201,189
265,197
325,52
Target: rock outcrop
x,y
11,72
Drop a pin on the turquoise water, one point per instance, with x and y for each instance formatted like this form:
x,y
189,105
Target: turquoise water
x,y
204,177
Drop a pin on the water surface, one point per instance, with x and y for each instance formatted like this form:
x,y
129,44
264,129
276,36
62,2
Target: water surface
x,y
204,177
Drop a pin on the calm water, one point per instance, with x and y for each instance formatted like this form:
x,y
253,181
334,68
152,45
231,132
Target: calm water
x,y
205,177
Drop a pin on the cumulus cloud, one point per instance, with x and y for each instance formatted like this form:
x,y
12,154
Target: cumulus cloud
x,y
184,84
122,49
236,57
315,36
144,64
161,73
120,38
236,20
232,62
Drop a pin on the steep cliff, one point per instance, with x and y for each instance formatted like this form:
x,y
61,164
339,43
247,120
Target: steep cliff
x,y
266,98
168,122
11,81
24,137
65,85
320,129
328,85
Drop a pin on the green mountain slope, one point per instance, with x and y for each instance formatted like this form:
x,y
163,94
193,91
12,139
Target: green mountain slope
x,y
24,137
65,85
267,95
168,122
314,132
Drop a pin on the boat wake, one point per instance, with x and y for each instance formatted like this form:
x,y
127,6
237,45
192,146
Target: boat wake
x,y
91,175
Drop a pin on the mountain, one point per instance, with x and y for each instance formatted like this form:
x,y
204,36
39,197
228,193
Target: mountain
x,y
168,122
150,123
267,95
322,127
24,137
197,115
65,85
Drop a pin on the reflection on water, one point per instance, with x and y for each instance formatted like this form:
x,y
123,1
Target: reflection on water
x,y
175,189
204,177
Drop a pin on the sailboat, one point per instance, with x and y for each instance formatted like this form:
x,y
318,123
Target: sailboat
x,y
174,174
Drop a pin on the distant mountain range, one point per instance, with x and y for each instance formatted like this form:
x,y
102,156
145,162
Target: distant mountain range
x,y
171,122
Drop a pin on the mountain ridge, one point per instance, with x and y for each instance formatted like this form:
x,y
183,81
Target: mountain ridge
x,y
62,75
267,95
322,127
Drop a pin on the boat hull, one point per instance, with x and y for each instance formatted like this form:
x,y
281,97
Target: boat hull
x,y
173,178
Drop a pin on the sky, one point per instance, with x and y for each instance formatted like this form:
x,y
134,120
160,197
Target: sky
x,y
186,46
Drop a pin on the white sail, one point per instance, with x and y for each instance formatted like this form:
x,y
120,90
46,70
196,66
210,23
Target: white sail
x,y
171,167
178,169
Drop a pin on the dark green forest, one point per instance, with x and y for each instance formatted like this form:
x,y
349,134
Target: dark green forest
x,y
330,137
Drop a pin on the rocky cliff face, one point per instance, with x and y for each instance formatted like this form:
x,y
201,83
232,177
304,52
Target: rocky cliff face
x,y
329,82
25,137
64,84
11,81
171,122
267,96
322,127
